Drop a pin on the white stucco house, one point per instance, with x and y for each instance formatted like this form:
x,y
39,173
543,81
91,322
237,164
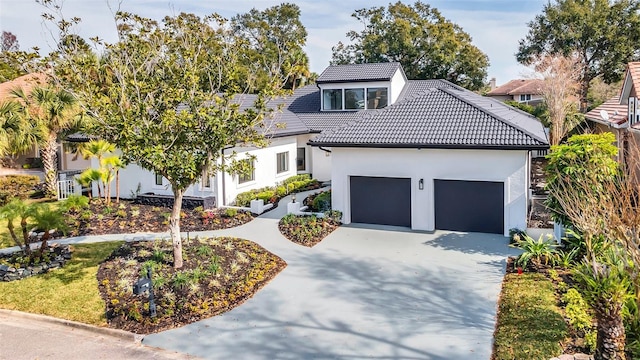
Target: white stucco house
x,y
424,154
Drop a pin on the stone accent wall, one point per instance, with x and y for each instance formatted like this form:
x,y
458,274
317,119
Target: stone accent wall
x,y
58,254
188,202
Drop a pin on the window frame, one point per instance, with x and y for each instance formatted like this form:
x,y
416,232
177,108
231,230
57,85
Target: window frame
x,y
363,99
161,182
302,161
525,97
324,102
246,178
282,165
376,89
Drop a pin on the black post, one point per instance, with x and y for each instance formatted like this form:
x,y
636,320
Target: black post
x,y
152,303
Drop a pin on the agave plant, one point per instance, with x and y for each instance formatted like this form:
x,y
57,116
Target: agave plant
x,y
536,252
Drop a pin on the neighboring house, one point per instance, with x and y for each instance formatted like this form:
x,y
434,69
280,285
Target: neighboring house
x,y
67,161
425,154
520,90
621,114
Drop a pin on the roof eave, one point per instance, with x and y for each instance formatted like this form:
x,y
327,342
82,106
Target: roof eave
x,y
351,81
429,146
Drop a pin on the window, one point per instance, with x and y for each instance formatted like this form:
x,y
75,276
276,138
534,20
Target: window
x,y
376,98
283,161
250,175
206,180
353,99
158,179
525,97
332,99
301,163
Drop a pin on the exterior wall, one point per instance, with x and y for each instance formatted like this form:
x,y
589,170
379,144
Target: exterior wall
x,y
318,161
398,81
509,167
265,169
265,175
535,99
501,97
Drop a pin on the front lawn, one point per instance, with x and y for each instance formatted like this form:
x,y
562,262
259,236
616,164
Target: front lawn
x,y
68,293
530,325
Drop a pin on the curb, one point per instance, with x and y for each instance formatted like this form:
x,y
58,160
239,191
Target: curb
x,y
120,334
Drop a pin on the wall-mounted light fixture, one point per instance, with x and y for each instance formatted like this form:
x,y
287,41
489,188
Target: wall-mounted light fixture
x,y
421,184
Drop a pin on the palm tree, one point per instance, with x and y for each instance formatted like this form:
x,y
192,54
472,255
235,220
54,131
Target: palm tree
x,y
16,134
53,111
47,219
97,149
14,210
111,168
88,177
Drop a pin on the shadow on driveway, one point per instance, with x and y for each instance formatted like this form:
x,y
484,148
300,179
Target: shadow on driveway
x,y
355,297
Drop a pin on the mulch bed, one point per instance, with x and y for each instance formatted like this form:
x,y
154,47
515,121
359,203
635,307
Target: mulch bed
x,y
127,217
306,230
218,275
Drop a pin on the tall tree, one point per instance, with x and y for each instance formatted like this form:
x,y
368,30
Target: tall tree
x,y
276,37
603,33
559,88
9,65
9,42
53,111
167,94
426,44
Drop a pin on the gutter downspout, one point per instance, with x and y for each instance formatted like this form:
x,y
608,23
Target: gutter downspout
x,y
325,150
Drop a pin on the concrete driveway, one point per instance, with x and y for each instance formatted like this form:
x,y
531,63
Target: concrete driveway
x,y
361,293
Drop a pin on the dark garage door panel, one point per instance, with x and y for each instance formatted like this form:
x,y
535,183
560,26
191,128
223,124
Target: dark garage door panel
x,y
381,200
473,206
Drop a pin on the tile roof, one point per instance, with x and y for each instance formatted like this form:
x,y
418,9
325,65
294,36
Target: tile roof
x,y
617,112
634,70
359,72
441,117
518,87
26,82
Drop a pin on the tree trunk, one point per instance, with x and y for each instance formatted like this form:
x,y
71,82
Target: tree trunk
x,y
611,335
584,91
118,185
174,227
49,156
25,236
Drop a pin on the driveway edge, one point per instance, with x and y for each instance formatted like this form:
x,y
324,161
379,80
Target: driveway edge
x,y
120,334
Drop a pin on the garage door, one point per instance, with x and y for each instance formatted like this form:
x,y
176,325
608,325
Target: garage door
x,y
474,206
381,200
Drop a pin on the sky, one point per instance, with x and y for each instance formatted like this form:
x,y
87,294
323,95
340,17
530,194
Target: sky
x,y
495,26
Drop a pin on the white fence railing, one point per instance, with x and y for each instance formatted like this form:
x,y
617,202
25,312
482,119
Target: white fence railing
x,y
68,187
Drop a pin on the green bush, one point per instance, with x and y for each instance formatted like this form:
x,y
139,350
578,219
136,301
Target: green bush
x,y
17,186
301,177
271,194
322,202
577,313
537,252
230,212
75,203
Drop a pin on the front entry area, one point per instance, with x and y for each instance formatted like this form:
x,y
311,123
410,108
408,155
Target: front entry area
x,y
381,200
469,206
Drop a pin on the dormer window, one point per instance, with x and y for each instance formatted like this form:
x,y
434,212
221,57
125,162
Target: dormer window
x,y
355,98
332,99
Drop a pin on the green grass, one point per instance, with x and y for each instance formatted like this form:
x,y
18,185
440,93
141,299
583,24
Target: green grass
x,y
69,293
530,325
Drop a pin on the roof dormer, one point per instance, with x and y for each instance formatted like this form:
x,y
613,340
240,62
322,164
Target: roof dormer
x,y
356,87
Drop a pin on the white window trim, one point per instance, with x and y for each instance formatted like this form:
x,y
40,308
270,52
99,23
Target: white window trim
x,y
253,175
286,163
155,184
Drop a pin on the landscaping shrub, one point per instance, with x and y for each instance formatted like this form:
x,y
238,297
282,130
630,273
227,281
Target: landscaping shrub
x,y
322,202
535,252
577,313
230,212
271,194
17,186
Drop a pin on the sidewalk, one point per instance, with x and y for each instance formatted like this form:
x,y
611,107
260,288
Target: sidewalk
x,y
28,336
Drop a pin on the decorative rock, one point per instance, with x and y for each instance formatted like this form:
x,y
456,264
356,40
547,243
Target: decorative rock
x,y
60,253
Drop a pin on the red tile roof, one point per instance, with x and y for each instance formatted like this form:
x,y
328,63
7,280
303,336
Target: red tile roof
x,y
26,82
518,87
617,113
